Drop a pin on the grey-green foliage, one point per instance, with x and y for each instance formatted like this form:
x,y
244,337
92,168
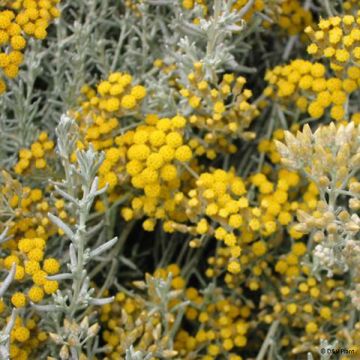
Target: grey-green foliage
x,y
131,354
215,42
4,285
70,308
78,50
5,337
95,37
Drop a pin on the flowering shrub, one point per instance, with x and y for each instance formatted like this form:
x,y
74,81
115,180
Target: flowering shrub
x,y
179,179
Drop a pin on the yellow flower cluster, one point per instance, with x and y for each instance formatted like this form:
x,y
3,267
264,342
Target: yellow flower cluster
x,y
20,19
101,109
215,207
31,264
289,264
25,336
116,95
152,158
156,156
290,16
36,156
221,111
337,39
29,228
305,304
112,173
129,321
99,125
268,221
220,325
351,7
27,212
99,115
306,85
273,199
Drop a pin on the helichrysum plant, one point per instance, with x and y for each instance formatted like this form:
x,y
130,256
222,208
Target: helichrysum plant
x,y
179,179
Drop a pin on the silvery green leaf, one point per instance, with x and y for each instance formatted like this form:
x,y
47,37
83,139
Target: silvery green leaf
x,y
128,263
85,285
3,237
66,196
91,292
191,29
11,322
65,228
159,2
102,301
180,306
66,136
4,350
94,185
234,28
46,308
102,190
60,299
86,256
91,231
89,162
73,258
9,278
131,354
104,247
180,310
94,191
5,337
58,277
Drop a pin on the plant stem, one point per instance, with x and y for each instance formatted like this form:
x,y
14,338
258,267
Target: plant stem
x,y
268,340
